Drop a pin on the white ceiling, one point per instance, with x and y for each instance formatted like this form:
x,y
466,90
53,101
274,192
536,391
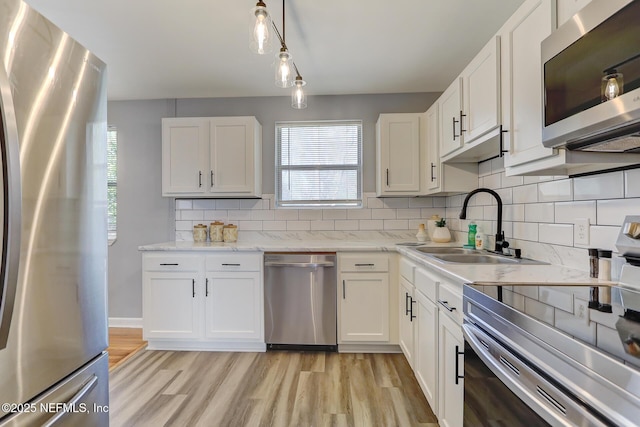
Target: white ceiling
x,y
199,48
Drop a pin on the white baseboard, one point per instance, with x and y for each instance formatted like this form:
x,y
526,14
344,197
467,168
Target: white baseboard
x,y
125,322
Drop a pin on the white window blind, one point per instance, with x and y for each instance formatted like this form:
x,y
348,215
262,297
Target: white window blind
x,y
112,182
319,163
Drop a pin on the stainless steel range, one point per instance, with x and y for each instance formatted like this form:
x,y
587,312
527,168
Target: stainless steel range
x,y
540,356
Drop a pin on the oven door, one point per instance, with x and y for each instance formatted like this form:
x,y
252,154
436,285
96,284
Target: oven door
x,y
501,388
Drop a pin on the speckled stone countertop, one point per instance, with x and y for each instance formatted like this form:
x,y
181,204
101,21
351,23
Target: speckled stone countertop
x,y
480,274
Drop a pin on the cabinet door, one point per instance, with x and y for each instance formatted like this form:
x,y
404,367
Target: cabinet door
x,y
364,307
234,306
522,80
450,114
568,8
450,383
406,315
232,155
185,144
433,152
481,83
425,357
170,305
398,153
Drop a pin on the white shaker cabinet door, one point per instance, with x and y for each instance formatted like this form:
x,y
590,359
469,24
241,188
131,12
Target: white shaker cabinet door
x,y
185,143
364,307
450,115
522,81
234,306
450,381
398,154
425,360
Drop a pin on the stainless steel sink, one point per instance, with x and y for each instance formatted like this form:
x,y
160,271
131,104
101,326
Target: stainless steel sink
x,y
478,258
446,250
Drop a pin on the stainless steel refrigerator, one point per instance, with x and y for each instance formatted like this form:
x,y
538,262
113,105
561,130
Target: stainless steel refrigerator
x,y
53,211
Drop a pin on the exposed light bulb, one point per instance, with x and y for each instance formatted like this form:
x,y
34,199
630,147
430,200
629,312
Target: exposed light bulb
x,y
612,85
261,35
283,69
298,97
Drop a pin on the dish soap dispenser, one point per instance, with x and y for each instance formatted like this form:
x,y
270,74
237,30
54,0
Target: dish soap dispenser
x,y
471,238
479,240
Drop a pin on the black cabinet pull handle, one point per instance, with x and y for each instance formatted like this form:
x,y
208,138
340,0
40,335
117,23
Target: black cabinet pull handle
x,y
433,178
387,177
502,150
461,116
446,305
206,287
212,183
193,288
344,291
199,178
411,316
458,353
454,128
168,263
230,265
366,265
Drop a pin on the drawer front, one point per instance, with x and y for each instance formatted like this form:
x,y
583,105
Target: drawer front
x,y
364,262
171,262
450,301
426,283
407,269
234,262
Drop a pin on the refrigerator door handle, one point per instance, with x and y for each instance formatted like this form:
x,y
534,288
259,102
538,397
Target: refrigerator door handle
x,y
10,206
73,402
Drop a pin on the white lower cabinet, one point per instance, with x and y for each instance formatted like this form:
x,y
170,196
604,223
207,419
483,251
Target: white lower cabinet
x,y
425,357
233,307
451,368
193,301
363,298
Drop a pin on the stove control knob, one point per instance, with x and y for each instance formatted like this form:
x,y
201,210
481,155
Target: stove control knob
x,y
632,229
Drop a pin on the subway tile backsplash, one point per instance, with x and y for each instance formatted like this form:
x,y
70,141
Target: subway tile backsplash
x,y
538,216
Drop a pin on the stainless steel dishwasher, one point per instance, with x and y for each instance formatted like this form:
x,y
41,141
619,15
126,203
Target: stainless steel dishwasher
x,y
300,301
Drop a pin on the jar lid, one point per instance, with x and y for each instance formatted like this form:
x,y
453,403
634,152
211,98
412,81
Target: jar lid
x,y
200,226
604,254
230,226
217,223
435,217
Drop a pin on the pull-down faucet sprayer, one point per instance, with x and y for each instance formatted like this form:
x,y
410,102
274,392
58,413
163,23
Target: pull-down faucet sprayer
x,y
500,242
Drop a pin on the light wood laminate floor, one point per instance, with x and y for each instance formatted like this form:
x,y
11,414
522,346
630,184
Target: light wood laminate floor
x,y
164,388
123,344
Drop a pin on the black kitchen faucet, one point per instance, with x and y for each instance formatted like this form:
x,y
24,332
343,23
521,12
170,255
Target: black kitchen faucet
x,y
500,242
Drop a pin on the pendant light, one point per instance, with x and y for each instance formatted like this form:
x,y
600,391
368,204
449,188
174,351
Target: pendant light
x,y
261,34
284,74
298,97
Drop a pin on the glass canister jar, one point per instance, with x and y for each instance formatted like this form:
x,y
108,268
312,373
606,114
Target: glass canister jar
x,y
230,233
200,233
215,231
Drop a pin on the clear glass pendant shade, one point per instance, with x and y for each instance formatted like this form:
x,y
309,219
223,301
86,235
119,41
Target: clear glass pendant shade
x,y
284,69
261,36
298,97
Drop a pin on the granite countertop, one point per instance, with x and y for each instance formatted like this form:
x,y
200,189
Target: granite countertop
x,y
479,274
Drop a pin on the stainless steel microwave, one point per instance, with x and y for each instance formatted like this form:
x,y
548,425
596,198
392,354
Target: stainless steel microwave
x,y
591,80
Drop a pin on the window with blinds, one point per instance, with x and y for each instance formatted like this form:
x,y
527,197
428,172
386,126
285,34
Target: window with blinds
x,y
112,182
319,164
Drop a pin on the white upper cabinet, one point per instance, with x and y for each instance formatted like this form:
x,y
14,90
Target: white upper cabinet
x,y
522,80
450,115
398,155
211,157
443,178
568,8
481,90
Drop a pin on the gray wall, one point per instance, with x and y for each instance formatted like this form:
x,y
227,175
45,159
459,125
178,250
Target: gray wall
x,y
145,217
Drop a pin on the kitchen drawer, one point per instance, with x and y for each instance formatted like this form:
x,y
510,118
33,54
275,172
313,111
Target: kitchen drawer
x,y
450,301
234,262
427,284
364,262
171,262
407,269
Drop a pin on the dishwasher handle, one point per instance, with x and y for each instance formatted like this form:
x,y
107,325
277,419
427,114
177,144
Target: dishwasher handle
x,y
299,264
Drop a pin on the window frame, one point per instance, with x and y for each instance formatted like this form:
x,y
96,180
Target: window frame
x,y
112,232
318,204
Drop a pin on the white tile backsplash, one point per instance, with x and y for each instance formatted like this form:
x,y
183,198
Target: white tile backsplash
x,y
567,212
555,191
604,186
556,234
612,212
632,183
539,212
525,194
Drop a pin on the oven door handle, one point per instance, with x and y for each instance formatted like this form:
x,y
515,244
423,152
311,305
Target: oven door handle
x,y
534,390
